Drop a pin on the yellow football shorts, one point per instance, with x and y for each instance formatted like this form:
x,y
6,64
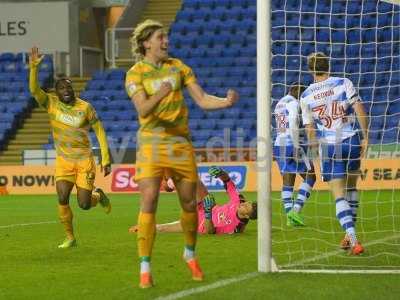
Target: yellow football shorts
x,y
178,161
80,172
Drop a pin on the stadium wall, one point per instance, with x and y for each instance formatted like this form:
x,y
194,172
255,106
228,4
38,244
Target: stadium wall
x,y
54,26
376,174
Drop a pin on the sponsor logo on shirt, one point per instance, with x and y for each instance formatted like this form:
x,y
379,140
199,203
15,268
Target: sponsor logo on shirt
x,y
69,120
156,85
236,173
222,218
131,88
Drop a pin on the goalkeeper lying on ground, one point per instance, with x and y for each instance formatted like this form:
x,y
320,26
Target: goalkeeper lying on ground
x,y
228,218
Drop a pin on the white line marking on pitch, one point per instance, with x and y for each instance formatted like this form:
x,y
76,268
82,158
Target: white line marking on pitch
x,y
27,224
336,252
246,276
212,286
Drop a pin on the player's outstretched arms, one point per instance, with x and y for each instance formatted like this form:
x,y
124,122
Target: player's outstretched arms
x,y
209,102
34,87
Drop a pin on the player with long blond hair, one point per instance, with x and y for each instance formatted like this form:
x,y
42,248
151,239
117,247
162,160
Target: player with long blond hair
x,y
155,85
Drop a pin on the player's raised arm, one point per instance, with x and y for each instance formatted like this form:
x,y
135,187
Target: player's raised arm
x,y
210,102
229,185
34,87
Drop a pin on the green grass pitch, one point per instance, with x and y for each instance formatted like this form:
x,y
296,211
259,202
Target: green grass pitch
x,y
105,264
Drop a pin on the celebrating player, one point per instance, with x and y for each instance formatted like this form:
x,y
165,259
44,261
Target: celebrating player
x,y
155,86
229,218
71,119
290,153
330,103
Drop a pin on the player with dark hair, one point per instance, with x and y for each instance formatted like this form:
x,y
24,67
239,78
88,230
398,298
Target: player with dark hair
x,y
332,105
290,150
228,218
71,119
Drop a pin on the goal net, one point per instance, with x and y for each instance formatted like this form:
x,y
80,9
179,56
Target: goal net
x,y
362,38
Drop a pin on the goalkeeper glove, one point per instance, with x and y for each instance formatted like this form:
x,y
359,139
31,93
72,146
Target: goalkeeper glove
x,y
215,171
208,203
218,173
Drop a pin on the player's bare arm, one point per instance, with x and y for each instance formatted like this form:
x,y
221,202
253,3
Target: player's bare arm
x,y
34,60
209,102
363,121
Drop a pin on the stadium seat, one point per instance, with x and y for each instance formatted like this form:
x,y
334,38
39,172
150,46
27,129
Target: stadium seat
x,y
390,136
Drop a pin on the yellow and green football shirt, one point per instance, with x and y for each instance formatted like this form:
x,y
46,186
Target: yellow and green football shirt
x,y
170,117
70,125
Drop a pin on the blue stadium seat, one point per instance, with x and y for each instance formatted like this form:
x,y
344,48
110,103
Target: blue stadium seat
x,y
369,6
353,7
306,20
394,93
114,85
379,108
199,143
368,65
322,20
292,19
7,57
338,22
338,36
374,136
323,35
277,18
209,124
95,85
391,122
394,108
293,5
376,122
368,50
251,114
194,124
226,123
201,14
196,114
126,115
353,37
249,51
278,91
246,61
219,71
368,35
390,136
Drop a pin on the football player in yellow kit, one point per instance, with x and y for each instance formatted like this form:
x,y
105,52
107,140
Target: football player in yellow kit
x,y
70,119
155,85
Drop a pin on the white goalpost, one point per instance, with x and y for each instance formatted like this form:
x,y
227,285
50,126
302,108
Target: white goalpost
x,y
264,156
362,39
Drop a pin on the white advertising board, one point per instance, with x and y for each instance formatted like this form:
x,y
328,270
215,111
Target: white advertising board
x,y
43,24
